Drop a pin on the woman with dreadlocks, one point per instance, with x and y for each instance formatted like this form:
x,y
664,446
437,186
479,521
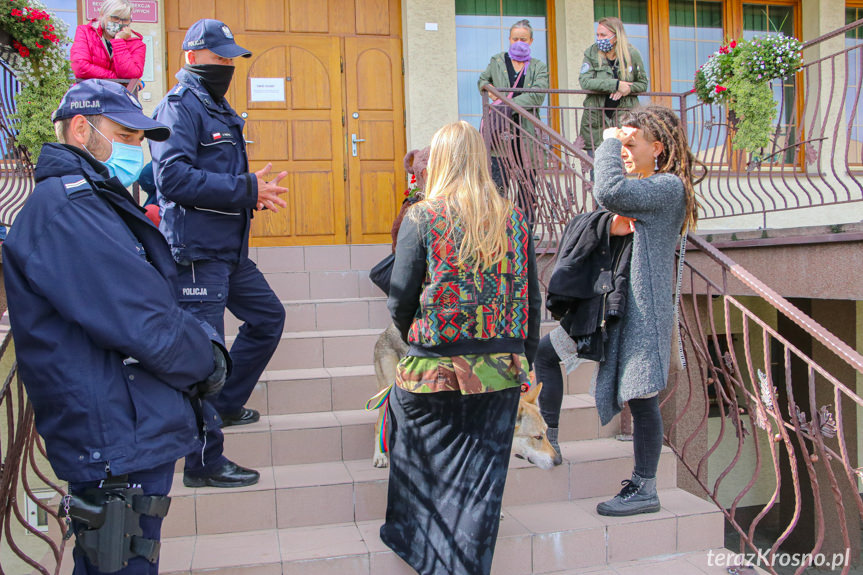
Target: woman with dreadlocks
x,y
661,206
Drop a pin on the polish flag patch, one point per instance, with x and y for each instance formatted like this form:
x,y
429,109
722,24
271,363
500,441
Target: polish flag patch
x,y
217,136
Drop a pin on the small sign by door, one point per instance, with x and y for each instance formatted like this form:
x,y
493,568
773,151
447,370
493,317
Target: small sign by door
x,y
142,10
267,89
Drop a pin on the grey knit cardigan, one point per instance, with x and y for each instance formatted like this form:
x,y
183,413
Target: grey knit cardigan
x,y
638,350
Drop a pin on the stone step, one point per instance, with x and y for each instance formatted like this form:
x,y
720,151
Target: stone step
x,y
356,257
349,434
329,348
328,314
558,537
300,495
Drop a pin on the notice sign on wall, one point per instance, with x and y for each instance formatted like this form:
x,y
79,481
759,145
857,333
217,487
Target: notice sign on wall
x,y
142,10
267,89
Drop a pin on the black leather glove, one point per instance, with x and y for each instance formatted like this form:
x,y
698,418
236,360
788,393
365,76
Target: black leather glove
x,y
212,386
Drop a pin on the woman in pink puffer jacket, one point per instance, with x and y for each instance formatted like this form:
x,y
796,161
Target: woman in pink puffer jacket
x,y
106,47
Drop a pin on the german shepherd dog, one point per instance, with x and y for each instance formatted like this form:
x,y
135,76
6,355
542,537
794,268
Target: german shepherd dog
x,y
529,439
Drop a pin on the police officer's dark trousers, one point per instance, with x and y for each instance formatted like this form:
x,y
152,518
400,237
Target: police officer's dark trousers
x,y
207,287
154,482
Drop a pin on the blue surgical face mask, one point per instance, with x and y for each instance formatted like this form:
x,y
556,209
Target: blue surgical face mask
x,y
604,44
125,162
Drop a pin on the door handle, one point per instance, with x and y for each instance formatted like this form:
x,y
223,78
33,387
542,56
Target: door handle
x,y
249,141
354,142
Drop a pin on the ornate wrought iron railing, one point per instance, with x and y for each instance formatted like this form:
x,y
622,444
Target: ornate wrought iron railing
x,y
16,170
815,158
30,528
766,431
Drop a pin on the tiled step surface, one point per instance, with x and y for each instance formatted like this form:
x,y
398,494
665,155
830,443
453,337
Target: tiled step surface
x,y
353,490
287,391
348,434
533,538
328,314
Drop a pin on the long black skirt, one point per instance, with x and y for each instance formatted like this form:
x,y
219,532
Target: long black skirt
x,y
449,455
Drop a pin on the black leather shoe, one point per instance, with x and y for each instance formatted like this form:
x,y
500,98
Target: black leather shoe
x,y
228,475
243,417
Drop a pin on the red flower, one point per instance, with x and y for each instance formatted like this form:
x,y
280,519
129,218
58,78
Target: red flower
x,y
407,192
16,12
723,50
721,89
38,45
733,44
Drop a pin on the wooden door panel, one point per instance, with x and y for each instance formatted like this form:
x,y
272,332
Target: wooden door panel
x,y
310,81
377,203
373,86
374,70
380,139
190,11
309,16
269,135
263,16
373,17
301,136
310,140
315,204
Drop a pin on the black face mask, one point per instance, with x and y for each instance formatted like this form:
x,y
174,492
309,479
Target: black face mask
x,y
215,77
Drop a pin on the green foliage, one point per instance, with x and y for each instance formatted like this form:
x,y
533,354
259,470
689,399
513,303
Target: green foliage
x,y
739,75
38,55
35,103
755,110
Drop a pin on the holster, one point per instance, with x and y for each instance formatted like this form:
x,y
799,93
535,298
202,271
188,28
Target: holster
x,y
108,523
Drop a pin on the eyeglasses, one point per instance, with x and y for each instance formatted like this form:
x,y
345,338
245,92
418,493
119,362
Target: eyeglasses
x,y
117,19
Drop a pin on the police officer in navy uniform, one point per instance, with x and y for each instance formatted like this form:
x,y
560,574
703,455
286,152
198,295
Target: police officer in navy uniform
x,y
108,357
207,196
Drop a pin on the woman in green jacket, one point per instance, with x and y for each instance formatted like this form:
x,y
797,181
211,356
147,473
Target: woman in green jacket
x,y
516,69
614,67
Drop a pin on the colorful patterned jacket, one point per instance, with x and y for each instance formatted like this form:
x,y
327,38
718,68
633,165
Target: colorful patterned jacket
x,y
442,309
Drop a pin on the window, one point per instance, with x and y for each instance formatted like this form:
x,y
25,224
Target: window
x,y
854,117
482,30
66,10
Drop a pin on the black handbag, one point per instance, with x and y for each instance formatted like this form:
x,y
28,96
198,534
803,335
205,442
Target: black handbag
x,y
381,273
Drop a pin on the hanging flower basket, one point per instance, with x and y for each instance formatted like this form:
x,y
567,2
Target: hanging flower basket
x,y
739,75
33,43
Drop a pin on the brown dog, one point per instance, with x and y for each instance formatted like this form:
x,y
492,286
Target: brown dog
x,y
529,440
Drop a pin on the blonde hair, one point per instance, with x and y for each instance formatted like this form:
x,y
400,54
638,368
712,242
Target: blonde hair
x,y
621,47
458,178
119,8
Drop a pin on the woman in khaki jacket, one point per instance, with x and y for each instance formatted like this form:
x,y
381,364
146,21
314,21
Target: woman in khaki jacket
x,y
516,69
614,67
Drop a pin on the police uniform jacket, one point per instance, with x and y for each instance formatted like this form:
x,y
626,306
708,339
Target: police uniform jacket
x,y
598,76
106,354
205,191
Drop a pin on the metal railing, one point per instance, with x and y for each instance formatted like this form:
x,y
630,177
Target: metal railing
x,y
815,157
762,427
16,170
29,542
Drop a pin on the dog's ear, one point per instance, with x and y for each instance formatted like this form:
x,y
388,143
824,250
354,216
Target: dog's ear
x,y
531,395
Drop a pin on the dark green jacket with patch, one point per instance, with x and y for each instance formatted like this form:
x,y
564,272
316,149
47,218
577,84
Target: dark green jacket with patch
x,y
536,76
596,75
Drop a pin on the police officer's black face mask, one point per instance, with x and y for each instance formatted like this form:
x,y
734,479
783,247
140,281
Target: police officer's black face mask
x,y
215,77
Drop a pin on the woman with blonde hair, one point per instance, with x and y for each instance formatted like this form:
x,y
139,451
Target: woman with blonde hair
x,y
465,296
613,67
106,47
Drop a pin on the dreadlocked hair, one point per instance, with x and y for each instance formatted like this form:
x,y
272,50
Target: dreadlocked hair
x,y
661,124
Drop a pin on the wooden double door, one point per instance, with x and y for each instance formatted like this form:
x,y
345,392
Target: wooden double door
x,y
323,99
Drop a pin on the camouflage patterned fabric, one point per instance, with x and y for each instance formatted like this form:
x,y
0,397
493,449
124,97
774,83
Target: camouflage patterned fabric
x,y
468,374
